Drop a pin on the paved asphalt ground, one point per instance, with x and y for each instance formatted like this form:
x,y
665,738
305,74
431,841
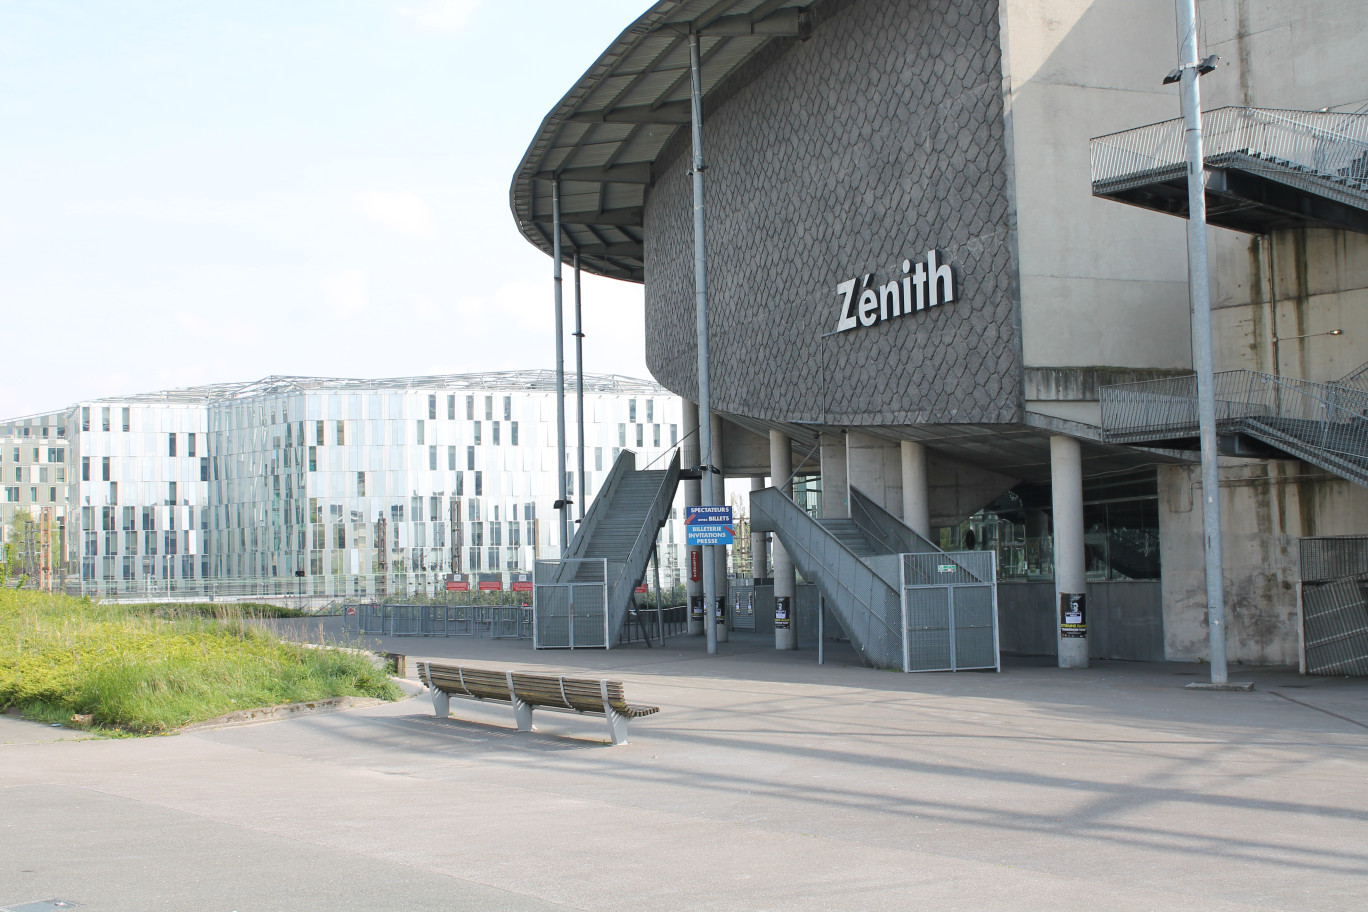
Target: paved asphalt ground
x,y
765,782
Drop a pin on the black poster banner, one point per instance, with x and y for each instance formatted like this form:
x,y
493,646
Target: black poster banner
x,y
1073,614
783,617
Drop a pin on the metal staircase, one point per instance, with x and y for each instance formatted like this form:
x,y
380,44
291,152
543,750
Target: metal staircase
x,y
1324,424
1265,169
607,557
831,554
889,587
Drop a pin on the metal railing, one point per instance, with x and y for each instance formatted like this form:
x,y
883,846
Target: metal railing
x,y
884,529
1279,143
311,592
1323,423
654,625
491,621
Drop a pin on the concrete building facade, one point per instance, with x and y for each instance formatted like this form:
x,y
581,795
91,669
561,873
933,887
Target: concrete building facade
x,y
914,280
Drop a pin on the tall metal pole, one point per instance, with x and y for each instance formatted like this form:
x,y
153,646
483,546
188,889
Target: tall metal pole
x,y
563,518
705,441
579,388
1199,288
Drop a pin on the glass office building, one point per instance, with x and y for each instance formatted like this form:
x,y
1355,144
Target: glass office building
x,y
341,488
33,494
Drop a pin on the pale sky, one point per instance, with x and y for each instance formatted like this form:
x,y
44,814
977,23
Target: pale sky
x,y
196,192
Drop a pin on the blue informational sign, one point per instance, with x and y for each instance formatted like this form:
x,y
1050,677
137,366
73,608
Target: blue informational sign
x,y
708,526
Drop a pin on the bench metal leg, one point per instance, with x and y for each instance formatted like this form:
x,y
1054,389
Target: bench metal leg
x,y
617,727
522,715
441,703
522,711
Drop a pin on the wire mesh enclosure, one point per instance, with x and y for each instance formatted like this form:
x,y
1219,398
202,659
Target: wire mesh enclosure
x,y
570,604
949,602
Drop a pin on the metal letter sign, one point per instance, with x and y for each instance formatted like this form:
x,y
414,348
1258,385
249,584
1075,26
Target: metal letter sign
x,y
924,284
708,526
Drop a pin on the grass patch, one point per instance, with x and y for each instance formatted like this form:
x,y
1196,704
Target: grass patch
x,y
155,668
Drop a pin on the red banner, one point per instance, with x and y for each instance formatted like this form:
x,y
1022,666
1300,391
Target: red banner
x,y
640,589
522,587
695,565
454,586
494,586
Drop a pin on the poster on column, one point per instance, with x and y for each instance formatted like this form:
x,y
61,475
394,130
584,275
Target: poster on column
x,y
1073,615
783,620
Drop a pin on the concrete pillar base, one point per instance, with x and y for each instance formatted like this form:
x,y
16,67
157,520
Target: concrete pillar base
x,y
785,582
1071,582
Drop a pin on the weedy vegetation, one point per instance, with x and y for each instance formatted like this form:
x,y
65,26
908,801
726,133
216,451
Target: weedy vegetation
x,y
148,669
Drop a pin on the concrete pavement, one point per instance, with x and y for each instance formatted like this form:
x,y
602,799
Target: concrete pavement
x,y
765,782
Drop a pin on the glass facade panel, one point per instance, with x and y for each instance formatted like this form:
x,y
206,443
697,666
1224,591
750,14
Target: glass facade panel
x,y
345,480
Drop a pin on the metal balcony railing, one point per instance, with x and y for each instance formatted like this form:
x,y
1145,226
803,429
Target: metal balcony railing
x,y
1322,423
1302,148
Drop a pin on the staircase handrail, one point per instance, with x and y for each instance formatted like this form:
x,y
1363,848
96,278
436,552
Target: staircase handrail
x,y
774,511
1333,416
1337,142
626,462
883,527
621,587
1355,376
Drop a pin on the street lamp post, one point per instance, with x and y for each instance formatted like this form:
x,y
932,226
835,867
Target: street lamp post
x,y
1199,283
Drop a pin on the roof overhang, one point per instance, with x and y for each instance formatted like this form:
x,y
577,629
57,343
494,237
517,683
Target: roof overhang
x,y
602,138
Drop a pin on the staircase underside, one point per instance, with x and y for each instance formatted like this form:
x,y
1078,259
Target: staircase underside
x,y
1249,194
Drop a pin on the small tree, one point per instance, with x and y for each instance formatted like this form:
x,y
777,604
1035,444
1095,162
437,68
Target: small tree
x,y
15,559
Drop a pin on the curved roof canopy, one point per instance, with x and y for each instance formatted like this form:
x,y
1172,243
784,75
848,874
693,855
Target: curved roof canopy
x,y
601,139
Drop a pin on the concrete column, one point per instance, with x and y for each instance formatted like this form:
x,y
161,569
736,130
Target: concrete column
x,y
689,459
759,550
835,477
719,497
785,585
916,494
1071,584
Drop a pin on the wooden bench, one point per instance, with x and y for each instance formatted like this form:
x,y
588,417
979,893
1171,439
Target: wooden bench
x,y
526,692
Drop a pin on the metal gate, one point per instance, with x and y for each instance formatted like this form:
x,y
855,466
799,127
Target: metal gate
x,y
949,611
743,608
570,604
1334,571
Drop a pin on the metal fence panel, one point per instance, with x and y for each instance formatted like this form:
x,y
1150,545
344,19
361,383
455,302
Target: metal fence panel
x,y
975,618
1336,627
1327,558
742,607
950,606
570,604
928,628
